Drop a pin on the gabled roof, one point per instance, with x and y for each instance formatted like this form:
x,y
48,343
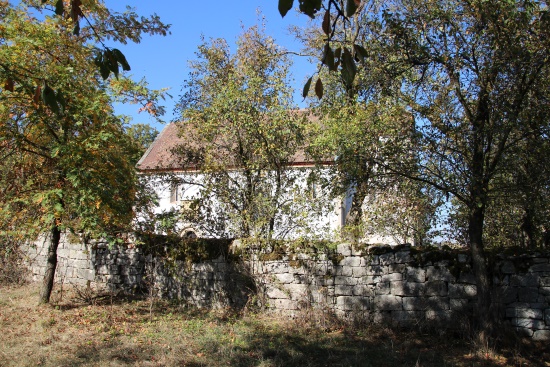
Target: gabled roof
x,y
160,156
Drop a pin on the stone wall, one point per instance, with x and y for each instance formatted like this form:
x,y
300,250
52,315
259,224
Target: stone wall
x,y
402,286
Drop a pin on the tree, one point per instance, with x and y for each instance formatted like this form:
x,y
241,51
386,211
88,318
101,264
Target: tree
x,y
242,134
143,136
65,153
473,75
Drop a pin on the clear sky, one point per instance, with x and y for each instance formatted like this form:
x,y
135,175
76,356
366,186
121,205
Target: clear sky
x,y
163,60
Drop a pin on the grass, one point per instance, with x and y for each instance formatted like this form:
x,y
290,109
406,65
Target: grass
x,y
122,332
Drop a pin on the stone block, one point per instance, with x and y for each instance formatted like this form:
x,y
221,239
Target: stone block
x,y
359,272
524,313
382,317
525,280
345,271
284,304
397,268
343,290
388,303
524,332
86,274
374,260
393,277
545,291
407,318
285,278
438,273
458,304
341,280
539,268
462,290
466,277
507,295
386,259
363,291
415,275
382,288
402,257
507,267
375,269
528,294
545,281
463,258
351,261
436,288
541,335
275,292
353,303
371,279
528,323
298,292
547,316
344,249
400,288
439,316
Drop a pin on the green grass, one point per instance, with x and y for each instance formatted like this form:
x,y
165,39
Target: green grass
x,y
123,333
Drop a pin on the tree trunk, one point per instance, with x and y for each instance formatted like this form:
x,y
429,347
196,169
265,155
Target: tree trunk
x,y
51,264
484,318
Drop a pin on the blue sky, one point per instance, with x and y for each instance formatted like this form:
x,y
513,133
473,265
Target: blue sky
x,y
163,60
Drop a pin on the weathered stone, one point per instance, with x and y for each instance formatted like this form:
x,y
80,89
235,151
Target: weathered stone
x,y
345,271
353,303
507,295
392,277
525,313
407,318
436,288
528,294
402,257
547,316
526,280
388,302
415,275
370,279
541,335
462,290
463,258
400,288
540,268
343,290
438,273
285,278
382,288
339,280
376,269
344,249
359,271
466,277
458,304
351,261
386,259
362,290
439,316
528,323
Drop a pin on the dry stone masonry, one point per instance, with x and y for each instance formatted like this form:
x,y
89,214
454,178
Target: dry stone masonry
x,y
401,286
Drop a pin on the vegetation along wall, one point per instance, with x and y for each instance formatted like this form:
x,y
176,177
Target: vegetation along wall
x,y
402,286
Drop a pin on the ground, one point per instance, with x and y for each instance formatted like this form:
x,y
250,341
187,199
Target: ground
x,y
115,331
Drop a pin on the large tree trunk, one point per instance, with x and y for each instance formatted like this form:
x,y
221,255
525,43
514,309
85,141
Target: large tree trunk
x,y
51,264
484,317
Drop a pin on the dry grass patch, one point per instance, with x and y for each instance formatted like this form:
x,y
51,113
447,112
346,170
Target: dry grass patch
x,y
122,333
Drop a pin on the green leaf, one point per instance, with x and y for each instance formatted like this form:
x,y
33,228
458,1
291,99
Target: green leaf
x,y
76,29
59,9
361,52
306,87
351,7
285,6
310,7
49,99
121,59
326,23
319,88
328,57
349,69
